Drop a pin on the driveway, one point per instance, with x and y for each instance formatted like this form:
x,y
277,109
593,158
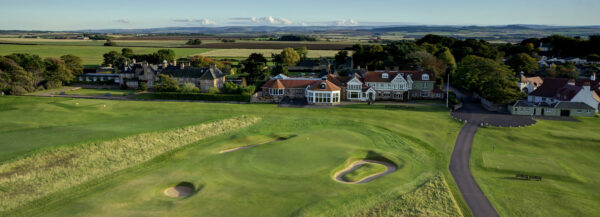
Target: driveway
x,y
474,113
459,167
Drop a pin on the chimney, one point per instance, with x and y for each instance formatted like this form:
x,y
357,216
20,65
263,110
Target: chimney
x,y
182,66
174,62
593,76
133,61
126,62
110,65
571,82
586,86
213,67
165,64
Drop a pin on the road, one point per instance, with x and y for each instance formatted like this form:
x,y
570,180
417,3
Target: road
x,y
459,167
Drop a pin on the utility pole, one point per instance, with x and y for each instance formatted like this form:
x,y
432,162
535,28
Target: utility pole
x,y
447,90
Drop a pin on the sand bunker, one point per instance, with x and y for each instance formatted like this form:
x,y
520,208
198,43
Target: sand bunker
x,y
183,189
357,164
249,146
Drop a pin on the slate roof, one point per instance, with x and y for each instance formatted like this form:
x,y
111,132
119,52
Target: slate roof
x,y
550,87
415,75
193,72
573,105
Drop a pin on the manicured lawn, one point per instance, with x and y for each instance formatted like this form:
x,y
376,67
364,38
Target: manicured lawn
x,y
564,154
364,171
91,55
291,176
100,92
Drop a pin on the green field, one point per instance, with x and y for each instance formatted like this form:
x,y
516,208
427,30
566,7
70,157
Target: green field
x,y
91,55
564,154
160,144
264,52
99,92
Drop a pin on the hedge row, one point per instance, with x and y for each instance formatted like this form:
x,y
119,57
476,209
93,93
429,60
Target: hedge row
x,y
195,96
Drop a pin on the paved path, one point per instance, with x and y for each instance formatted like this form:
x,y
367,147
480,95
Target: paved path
x,y
474,113
459,167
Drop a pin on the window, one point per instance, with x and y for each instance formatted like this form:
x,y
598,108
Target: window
x,y
384,75
336,97
425,77
274,91
425,94
354,95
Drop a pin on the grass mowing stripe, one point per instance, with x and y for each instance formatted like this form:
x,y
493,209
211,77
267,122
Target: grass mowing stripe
x,y
43,173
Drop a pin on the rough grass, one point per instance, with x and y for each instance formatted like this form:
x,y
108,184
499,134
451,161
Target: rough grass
x,y
564,154
43,173
417,203
364,171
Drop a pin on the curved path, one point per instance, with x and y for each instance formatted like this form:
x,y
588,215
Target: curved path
x,y
389,169
459,167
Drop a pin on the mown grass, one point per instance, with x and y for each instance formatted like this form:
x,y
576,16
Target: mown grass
x,y
99,92
43,173
291,177
364,171
564,154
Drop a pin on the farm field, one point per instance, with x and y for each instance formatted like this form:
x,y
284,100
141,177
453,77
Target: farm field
x,y
265,52
289,172
564,154
91,55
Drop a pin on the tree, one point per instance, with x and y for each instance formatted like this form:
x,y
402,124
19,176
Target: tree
x,y
115,59
289,57
194,42
279,69
57,71
14,79
431,63
568,70
127,52
189,88
73,63
214,90
256,67
109,42
302,51
489,78
231,88
523,62
166,83
341,57
204,62
166,54
445,55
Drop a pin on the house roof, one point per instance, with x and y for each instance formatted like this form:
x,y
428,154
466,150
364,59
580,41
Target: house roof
x,y
536,81
323,86
550,87
573,105
376,76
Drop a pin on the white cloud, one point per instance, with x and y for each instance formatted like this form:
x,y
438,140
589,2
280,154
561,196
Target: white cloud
x,y
265,20
126,21
199,21
348,22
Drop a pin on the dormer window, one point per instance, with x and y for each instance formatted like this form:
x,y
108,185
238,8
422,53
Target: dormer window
x,y
323,85
425,77
384,75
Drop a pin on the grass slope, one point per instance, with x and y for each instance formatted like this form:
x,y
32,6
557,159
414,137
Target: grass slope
x,y
290,177
565,154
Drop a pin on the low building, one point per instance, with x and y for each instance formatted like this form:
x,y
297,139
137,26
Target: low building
x,y
565,109
98,77
313,91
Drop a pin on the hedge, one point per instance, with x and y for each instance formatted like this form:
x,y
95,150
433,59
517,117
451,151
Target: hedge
x,y
195,96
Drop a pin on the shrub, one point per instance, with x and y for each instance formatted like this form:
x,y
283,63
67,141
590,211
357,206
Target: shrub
x,y
231,88
248,90
52,84
214,90
17,90
143,86
189,88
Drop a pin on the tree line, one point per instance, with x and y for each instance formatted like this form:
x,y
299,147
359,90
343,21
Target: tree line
x,y
22,73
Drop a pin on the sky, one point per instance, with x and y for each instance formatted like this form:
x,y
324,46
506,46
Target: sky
x,y
134,14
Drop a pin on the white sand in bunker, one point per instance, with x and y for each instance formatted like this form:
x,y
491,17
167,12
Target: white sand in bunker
x,y
357,164
179,191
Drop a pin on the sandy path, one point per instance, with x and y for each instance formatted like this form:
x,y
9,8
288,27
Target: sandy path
x,y
246,147
338,176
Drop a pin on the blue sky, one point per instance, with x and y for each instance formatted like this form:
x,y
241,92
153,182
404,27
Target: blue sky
x,y
84,14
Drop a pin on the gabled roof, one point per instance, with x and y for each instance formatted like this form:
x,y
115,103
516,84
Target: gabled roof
x,y
550,87
211,74
323,86
376,76
536,81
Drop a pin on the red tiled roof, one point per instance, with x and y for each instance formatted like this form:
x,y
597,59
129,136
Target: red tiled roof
x,y
287,83
537,80
329,86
